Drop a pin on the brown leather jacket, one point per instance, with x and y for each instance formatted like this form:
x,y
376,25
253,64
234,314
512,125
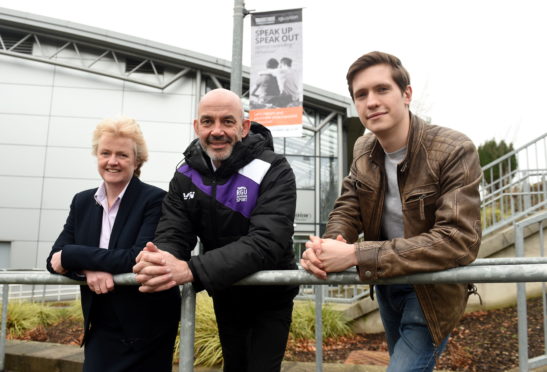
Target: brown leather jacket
x,y
439,187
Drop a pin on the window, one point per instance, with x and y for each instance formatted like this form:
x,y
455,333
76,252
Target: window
x,y
304,171
304,145
144,68
329,140
329,186
11,38
5,255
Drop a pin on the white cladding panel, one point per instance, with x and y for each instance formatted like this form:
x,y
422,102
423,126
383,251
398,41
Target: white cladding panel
x,y
167,137
23,255
83,102
18,224
63,162
65,77
25,99
44,247
23,129
21,160
20,192
161,167
71,132
20,71
158,106
53,199
51,224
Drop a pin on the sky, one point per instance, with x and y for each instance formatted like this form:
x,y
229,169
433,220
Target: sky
x,y
478,66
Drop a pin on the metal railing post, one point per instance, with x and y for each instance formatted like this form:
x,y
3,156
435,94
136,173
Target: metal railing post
x,y
527,194
5,299
187,327
543,291
521,304
522,327
319,328
525,363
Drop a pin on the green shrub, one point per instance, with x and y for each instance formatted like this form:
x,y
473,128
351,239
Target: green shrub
x,y
207,349
303,322
71,310
24,316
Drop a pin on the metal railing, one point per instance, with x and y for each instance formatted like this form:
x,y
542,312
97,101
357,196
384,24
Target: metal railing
x,y
515,185
344,293
497,270
524,362
40,293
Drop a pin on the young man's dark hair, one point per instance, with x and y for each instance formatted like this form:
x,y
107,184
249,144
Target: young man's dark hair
x,y
399,74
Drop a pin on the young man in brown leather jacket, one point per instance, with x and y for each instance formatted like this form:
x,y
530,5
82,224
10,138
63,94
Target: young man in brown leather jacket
x,y
413,192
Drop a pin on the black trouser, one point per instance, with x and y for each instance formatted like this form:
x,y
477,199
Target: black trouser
x,y
107,350
254,327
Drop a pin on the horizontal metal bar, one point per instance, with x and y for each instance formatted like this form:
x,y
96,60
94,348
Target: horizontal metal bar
x,y
514,152
475,274
509,261
484,271
44,277
537,362
532,220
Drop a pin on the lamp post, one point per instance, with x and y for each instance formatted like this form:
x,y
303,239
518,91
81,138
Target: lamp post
x,y
237,47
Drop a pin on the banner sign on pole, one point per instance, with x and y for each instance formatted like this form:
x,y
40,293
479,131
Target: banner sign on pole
x,y
276,88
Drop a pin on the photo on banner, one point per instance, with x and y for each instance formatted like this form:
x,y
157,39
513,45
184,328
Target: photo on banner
x,y
276,88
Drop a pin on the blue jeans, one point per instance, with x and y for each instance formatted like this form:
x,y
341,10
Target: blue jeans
x,y
409,342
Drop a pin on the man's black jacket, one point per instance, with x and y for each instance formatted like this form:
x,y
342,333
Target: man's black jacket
x,y
243,212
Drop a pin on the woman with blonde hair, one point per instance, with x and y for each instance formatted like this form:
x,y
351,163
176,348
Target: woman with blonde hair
x,y
124,329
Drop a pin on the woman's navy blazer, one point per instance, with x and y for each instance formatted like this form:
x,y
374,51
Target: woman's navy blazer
x,y
143,316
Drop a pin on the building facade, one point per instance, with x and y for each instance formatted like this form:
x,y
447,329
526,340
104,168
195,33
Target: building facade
x,y
59,79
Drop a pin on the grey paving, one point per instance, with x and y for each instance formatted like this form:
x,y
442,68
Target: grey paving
x,y
31,356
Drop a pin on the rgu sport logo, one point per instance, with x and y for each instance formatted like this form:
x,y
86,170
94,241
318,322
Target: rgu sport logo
x,y
241,194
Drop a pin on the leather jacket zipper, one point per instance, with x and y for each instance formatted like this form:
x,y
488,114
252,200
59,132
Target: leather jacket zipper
x,y
422,207
421,202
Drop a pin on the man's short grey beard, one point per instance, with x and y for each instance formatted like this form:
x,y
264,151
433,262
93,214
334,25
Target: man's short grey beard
x,y
216,157
213,155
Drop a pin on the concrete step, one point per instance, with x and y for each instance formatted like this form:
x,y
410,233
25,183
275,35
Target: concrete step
x,y
32,356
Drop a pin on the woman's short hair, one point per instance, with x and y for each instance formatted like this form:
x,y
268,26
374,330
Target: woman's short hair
x,y
126,128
